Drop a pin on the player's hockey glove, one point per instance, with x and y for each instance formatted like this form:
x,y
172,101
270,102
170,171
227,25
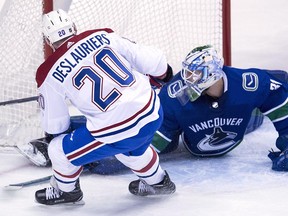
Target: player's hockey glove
x,y
280,158
157,83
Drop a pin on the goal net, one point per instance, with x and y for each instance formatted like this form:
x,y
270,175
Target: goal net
x,y
176,27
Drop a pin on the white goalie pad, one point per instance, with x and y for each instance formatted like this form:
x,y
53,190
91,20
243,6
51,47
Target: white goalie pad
x,y
36,155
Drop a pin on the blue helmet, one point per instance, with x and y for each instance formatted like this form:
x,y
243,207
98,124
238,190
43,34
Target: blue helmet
x,y
201,68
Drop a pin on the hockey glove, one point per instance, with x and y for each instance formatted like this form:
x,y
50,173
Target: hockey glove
x,y
157,83
280,158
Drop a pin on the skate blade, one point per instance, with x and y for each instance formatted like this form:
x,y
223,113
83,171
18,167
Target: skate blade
x,y
81,202
78,203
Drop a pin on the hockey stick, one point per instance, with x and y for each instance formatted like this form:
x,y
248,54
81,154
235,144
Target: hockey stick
x,y
20,185
16,101
17,186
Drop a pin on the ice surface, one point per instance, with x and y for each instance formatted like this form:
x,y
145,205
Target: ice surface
x,y
240,183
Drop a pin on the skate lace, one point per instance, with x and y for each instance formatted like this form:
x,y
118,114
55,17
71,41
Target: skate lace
x,y
144,187
52,193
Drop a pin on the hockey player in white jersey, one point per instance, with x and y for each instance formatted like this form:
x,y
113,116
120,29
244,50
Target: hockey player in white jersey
x,y
106,77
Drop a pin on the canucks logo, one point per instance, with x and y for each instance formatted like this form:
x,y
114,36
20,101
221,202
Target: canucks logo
x,y
250,81
175,88
219,140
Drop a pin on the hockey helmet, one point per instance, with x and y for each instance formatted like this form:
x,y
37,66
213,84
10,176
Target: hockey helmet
x,y
57,25
201,68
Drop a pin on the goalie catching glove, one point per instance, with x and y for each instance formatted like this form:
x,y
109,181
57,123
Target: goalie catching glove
x,y
280,158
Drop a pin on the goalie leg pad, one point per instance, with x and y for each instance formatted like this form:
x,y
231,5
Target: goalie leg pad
x,y
36,151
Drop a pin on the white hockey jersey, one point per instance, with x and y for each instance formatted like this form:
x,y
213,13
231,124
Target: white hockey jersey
x,y
103,76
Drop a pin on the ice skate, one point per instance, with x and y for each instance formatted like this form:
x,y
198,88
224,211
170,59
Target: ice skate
x,y
53,196
141,188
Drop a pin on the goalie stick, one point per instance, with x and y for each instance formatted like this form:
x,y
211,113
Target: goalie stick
x,y
16,101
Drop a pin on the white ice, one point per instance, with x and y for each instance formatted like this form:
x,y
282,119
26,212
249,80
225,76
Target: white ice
x,y
238,184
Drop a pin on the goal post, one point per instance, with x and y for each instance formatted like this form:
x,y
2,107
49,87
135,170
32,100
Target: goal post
x,y
47,7
174,26
226,35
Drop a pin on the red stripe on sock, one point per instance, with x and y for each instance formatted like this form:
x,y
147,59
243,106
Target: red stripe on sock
x,y
70,176
150,164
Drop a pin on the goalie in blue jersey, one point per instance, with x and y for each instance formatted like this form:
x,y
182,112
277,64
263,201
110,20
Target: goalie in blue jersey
x,y
211,107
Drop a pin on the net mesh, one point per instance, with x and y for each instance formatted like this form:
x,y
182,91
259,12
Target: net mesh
x,y
21,54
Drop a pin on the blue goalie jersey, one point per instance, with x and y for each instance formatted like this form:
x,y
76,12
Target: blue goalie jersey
x,y
211,127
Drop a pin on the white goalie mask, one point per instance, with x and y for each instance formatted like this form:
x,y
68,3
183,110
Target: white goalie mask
x,y
201,68
57,25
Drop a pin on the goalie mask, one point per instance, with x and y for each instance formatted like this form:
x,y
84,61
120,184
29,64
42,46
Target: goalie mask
x,y
201,68
57,25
